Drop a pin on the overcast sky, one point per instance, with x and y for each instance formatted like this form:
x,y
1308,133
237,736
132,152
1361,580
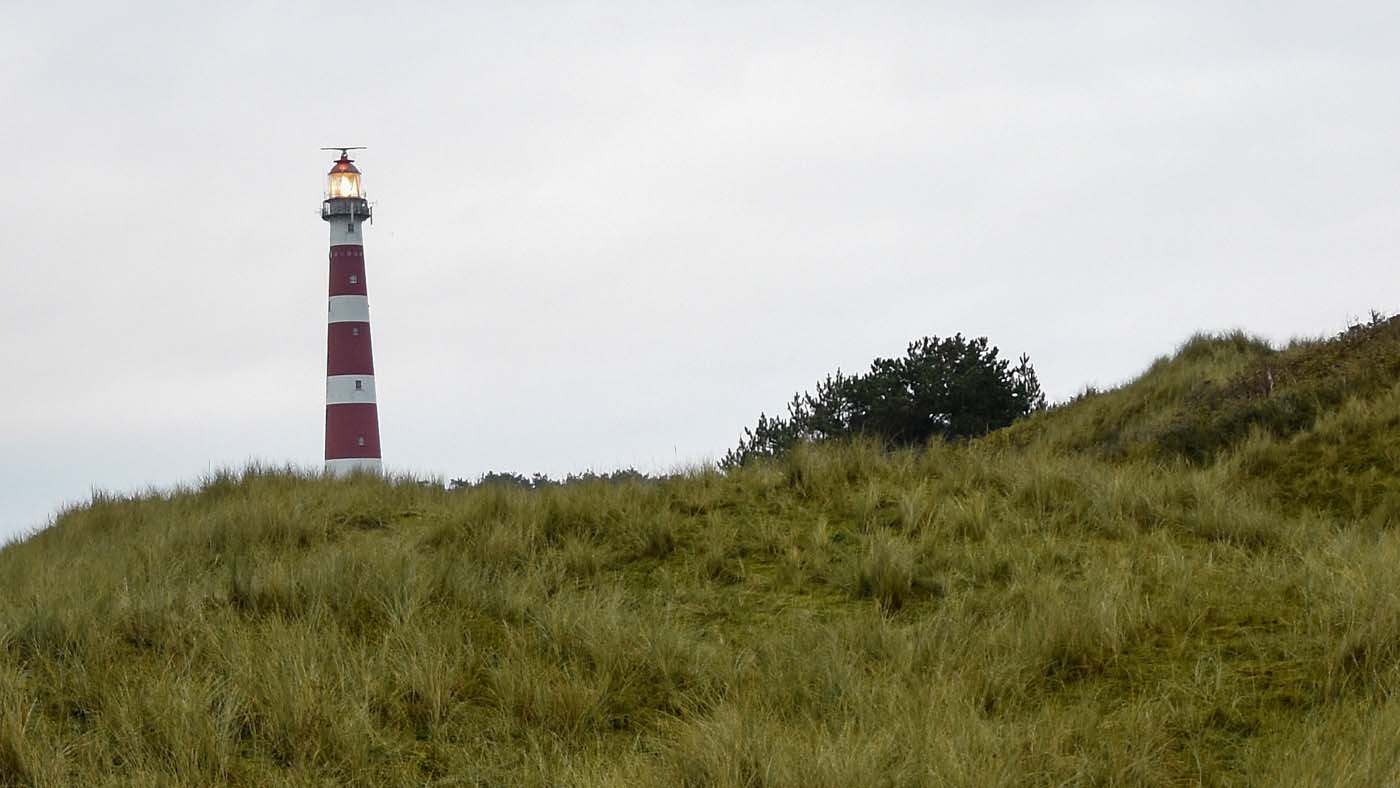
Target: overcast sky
x,y
610,234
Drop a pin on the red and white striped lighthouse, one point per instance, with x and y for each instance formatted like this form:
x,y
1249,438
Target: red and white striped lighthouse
x,y
352,416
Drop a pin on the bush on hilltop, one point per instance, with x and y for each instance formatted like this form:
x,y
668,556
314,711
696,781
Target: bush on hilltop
x,y
952,388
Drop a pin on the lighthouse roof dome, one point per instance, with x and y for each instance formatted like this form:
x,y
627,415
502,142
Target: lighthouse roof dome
x,y
344,165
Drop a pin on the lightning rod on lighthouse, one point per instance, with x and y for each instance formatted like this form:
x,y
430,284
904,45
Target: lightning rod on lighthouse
x,y
352,415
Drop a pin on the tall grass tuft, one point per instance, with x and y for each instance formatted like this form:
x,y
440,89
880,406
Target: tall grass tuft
x,y
886,571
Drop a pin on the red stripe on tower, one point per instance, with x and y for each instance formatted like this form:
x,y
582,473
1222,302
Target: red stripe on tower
x,y
352,415
348,350
346,424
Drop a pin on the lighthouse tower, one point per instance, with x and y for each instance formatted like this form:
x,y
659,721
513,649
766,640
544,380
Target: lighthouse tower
x,y
352,417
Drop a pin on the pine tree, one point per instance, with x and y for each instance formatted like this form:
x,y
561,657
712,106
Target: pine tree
x,y
953,388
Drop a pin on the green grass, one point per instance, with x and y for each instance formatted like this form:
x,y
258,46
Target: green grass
x,y
1194,579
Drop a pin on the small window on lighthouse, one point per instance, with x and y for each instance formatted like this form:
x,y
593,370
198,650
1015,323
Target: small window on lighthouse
x,y
354,332
361,440
359,385
354,280
349,227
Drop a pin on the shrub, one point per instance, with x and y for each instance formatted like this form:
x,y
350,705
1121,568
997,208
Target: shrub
x,y
949,388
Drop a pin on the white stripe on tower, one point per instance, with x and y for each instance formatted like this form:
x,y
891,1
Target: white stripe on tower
x,y
351,465
349,388
349,309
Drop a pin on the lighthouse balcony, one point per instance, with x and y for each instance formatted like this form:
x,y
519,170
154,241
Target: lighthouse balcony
x,y
344,206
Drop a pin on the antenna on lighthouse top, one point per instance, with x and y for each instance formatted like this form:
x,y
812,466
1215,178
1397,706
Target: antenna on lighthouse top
x,y
345,151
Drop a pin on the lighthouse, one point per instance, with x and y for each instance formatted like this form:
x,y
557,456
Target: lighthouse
x,y
352,415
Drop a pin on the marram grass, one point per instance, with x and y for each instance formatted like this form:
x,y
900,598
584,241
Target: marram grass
x,y
1040,608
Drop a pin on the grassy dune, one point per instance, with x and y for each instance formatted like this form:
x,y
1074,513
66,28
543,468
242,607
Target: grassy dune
x,y
1194,579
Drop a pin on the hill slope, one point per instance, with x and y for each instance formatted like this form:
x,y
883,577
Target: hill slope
x,y
1192,579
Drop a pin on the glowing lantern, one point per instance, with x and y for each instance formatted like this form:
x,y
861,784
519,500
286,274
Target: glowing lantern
x,y
344,180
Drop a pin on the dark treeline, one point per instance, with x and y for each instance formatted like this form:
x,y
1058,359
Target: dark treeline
x,y
538,481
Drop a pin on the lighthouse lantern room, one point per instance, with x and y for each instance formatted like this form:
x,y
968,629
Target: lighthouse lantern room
x,y
352,416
